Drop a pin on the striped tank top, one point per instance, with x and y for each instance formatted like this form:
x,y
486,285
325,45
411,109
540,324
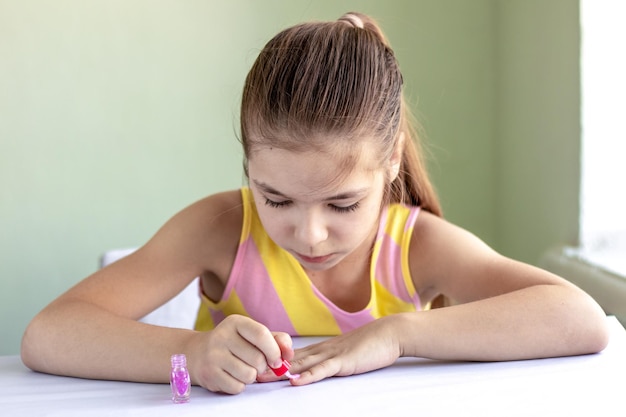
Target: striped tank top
x,y
268,284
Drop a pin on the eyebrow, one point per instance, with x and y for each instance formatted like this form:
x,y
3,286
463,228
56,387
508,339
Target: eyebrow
x,y
347,195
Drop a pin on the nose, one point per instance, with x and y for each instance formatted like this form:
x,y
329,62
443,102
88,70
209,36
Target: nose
x,y
311,229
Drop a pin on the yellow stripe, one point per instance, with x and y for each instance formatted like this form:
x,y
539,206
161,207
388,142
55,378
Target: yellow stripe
x,y
204,321
233,305
387,303
395,229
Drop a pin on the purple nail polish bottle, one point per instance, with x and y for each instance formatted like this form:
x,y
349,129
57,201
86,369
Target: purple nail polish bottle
x,y
180,383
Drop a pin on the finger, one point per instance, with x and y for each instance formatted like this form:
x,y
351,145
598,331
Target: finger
x,y
269,376
226,383
318,372
260,337
312,349
240,370
227,371
285,344
249,354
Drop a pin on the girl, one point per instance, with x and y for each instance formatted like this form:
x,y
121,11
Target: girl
x,y
339,233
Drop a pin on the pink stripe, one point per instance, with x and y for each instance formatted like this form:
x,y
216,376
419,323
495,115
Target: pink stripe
x,y
346,321
389,270
251,282
410,221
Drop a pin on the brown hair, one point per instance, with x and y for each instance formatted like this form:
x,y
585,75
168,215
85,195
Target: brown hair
x,y
338,81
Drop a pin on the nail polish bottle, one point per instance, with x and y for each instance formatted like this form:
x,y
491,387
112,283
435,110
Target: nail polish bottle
x,y
180,383
283,369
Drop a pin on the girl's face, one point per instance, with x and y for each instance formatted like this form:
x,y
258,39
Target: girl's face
x,y
311,213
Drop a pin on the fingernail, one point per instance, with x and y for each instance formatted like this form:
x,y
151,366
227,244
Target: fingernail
x,y
292,376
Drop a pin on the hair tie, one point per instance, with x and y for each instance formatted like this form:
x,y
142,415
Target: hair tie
x,y
353,20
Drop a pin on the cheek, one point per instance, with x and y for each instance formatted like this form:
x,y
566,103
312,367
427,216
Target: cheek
x,y
272,223
360,224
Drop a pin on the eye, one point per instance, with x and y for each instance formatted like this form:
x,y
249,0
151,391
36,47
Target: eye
x,y
346,209
276,204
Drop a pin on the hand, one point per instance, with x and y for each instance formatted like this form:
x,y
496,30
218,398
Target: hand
x,y
367,348
234,353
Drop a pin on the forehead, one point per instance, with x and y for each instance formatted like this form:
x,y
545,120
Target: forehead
x,y
311,173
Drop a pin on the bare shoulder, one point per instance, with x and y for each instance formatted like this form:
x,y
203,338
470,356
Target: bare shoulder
x,y
436,237
447,259
219,211
206,233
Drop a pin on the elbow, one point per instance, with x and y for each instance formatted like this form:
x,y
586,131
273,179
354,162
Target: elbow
x,y
585,338
588,330
599,329
30,352
597,338
593,330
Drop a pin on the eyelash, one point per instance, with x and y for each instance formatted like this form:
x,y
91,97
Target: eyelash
x,y
275,204
348,209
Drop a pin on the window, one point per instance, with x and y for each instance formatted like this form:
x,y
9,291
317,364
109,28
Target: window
x,y
603,184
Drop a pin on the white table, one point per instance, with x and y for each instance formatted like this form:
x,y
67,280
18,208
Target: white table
x,y
589,385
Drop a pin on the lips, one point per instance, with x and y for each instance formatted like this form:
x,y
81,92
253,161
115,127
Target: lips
x,y
314,259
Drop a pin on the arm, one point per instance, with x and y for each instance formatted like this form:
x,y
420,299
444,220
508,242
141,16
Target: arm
x,y
92,331
504,310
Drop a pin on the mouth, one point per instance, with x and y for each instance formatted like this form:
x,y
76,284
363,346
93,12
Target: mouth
x,y
314,259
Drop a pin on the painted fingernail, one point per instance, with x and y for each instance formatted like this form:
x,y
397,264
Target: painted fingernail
x,y
292,376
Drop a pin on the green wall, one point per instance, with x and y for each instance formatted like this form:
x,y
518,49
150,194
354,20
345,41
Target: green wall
x,y
537,135
115,114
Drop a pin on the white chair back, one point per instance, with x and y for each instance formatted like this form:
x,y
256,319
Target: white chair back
x,y
179,312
